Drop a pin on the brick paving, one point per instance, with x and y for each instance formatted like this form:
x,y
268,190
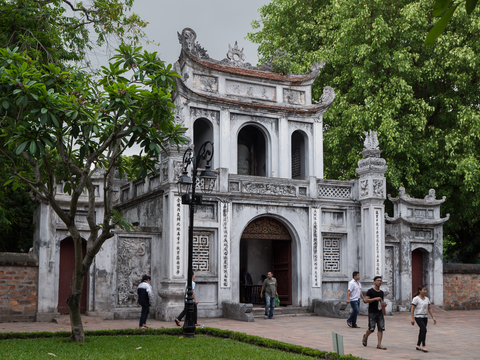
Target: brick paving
x,y
456,335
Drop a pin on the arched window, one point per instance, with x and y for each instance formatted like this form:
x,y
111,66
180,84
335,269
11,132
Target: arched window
x,y
299,160
202,131
251,152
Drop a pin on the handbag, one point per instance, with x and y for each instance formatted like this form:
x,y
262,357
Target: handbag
x,y
277,301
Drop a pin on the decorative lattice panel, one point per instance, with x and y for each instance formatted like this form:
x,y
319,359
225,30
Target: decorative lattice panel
x,y
331,255
336,192
201,253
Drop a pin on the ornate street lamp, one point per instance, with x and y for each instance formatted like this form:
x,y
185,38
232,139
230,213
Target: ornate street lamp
x,y
186,188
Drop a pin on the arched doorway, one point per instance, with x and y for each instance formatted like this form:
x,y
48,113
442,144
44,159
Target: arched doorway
x,y
417,270
298,159
251,152
266,245
202,131
67,266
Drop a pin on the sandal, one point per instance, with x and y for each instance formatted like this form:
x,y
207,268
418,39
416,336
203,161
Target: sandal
x,y
177,322
381,347
418,348
364,340
424,350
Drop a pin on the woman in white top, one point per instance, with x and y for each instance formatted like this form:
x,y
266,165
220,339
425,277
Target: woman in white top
x,y
420,310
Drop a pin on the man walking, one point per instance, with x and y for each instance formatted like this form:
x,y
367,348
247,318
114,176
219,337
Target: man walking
x,y
270,287
376,305
145,299
184,311
353,298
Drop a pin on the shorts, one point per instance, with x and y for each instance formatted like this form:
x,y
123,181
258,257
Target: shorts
x,y
376,319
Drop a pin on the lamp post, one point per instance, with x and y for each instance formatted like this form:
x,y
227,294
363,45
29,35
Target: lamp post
x,y
186,188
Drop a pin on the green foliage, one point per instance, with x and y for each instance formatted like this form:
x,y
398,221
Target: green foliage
x,y
423,101
58,123
16,215
166,339
59,30
446,9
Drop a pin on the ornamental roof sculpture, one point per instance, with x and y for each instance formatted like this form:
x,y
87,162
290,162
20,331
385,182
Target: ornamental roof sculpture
x,y
421,212
428,200
236,58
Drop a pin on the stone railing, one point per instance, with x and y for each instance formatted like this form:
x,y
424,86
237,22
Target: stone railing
x,y
335,189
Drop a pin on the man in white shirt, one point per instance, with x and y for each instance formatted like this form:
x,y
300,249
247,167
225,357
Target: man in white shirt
x,y
145,299
353,298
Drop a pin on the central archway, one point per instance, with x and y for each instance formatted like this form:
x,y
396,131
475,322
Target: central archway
x,y
265,245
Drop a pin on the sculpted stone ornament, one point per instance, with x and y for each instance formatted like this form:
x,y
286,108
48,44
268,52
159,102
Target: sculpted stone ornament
x,y
187,40
235,55
372,163
327,97
371,141
316,66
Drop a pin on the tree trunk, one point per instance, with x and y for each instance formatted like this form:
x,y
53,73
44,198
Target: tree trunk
x,y
73,303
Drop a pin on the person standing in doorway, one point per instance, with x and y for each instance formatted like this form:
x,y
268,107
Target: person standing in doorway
x,y
374,299
270,288
145,299
420,310
182,314
353,298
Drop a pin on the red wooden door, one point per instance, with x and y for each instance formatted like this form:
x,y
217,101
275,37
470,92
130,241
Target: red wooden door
x,y
282,269
417,270
67,265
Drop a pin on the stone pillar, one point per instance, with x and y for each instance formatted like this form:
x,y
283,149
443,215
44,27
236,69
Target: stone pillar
x,y
284,151
371,170
317,146
174,243
226,150
48,255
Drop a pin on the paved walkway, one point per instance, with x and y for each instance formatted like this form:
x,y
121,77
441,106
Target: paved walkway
x,y
456,335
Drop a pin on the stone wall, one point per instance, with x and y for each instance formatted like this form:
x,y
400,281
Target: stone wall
x,y
461,286
18,287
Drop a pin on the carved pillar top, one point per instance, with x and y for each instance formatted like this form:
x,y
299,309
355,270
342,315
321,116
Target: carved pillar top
x,y
372,163
371,169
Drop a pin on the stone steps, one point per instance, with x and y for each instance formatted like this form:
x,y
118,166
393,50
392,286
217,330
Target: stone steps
x,y
259,312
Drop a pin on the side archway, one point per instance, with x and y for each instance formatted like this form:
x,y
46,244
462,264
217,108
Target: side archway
x,y
67,265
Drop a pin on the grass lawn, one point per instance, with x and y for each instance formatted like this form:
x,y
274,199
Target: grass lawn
x,y
138,347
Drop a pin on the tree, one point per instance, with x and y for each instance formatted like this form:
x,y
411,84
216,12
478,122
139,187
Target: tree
x,y
57,31
422,100
446,9
61,30
61,123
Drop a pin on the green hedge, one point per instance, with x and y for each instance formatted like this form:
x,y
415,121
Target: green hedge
x,y
237,336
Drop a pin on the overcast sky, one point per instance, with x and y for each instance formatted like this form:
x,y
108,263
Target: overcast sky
x,y
216,22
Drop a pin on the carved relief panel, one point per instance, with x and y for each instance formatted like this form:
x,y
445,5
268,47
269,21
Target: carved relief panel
x,y
133,261
294,97
205,83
